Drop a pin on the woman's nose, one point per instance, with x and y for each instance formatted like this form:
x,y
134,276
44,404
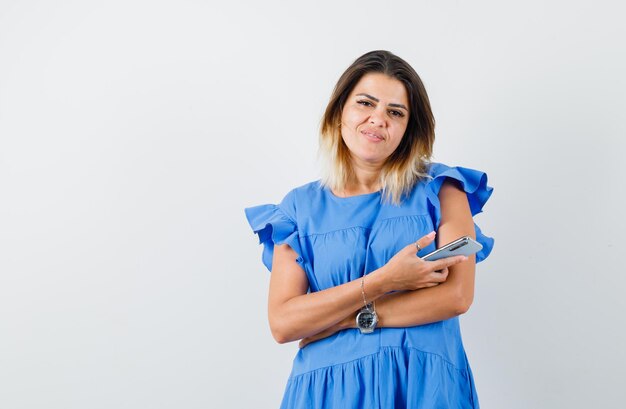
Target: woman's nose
x,y
377,118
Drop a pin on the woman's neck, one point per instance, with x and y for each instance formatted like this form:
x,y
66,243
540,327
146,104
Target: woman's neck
x,y
365,179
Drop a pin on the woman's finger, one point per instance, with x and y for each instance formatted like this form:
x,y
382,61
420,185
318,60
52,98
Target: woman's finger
x,y
440,276
425,241
446,262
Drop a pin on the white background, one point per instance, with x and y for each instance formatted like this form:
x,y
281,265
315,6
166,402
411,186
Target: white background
x,y
134,133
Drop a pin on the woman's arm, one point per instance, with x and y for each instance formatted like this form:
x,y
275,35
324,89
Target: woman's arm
x,y
455,295
446,300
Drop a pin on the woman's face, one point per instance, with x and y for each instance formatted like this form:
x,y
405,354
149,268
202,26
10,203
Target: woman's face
x,y
374,118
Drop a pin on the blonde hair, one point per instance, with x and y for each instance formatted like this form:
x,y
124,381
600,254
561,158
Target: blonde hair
x,y
409,162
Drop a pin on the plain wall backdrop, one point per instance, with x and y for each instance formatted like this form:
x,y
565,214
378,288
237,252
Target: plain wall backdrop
x,y
134,133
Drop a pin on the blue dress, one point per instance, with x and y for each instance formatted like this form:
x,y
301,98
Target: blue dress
x,y
337,240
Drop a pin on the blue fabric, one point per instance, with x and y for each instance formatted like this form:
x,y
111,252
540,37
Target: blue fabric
x,y
337,240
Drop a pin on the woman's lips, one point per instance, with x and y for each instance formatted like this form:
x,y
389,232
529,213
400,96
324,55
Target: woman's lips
x,y
373,136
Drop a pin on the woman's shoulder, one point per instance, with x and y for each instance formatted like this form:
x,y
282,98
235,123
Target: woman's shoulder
x,y
301,197
311,188
438,169
433,169
430,172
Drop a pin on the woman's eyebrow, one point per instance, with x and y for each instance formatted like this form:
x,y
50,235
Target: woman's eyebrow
x,y
377,100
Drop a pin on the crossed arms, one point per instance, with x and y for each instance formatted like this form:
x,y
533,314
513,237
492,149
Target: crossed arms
x,y
422,295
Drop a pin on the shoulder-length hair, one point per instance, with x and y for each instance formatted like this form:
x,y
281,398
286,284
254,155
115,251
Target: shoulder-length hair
x,y
408,163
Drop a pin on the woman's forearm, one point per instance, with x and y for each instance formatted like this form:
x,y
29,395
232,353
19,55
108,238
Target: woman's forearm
x,y
424,306
309,314
406,309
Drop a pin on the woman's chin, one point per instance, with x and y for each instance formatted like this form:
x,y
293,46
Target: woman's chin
x,y
372,160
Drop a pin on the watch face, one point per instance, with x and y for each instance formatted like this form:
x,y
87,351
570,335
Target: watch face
x,y
366,321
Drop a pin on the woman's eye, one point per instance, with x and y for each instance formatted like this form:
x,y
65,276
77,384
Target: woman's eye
x,y
396,113
364,103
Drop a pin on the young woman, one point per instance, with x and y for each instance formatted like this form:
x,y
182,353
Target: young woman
x,y
378,326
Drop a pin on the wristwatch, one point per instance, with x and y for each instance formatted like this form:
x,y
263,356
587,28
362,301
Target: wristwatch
x,y
366,319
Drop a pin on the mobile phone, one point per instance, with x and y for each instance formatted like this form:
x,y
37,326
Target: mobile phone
x,y
464,246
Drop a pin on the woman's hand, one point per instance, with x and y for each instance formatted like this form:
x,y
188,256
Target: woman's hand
x,y
348,322
406,271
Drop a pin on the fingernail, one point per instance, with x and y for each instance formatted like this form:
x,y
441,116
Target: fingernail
x,y
431,234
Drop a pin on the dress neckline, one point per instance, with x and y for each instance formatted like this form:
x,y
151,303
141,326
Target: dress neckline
x,y
363,196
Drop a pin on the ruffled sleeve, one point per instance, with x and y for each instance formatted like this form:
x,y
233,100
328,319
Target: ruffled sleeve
x,y
474,183
273,226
